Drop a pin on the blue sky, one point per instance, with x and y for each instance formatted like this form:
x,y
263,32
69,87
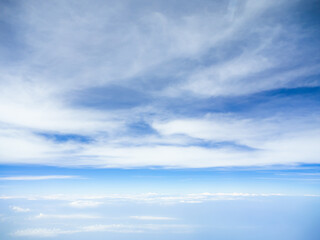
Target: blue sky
x,y
190,104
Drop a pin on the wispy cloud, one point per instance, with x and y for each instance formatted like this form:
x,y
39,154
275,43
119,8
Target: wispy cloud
x,y
87,201
19,209
156,218
40,232
86,76
33,178
85,204
66,216
116,228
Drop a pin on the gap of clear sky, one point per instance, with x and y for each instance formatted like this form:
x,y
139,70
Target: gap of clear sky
x,y
160,119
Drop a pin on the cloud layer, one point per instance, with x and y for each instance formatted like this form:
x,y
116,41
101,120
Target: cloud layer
x,y
174,85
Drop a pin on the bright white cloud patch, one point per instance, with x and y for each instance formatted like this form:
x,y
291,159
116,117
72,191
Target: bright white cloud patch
x,y
85,204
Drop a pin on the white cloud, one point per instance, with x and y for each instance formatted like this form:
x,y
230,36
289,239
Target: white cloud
x,y
19,209
286,150
151,198
311,195
85,204
143,38
227,78
66,216
40,232
112,228
217,128
117,228
240,76
89,50
135,228
239,142
36,106
32,178
152,218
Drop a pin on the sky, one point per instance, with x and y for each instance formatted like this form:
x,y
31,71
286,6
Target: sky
x,y
159,119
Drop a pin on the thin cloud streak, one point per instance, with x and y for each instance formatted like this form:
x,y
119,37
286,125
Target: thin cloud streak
x,y
90,201
35,178
116,228
156,218
65,216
